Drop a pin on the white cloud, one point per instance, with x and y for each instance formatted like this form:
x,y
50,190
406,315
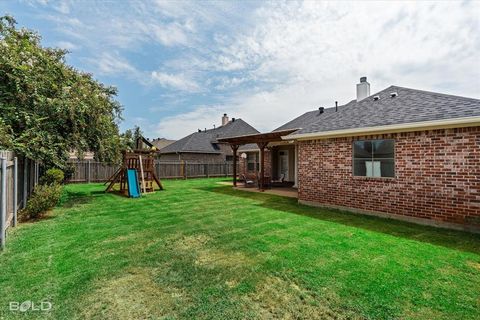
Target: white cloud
x,y
175,81
179,126
66,45
268,62
299,56
112,64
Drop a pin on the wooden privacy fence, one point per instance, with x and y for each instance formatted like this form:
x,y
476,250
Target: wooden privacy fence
x,y
18,177
94,171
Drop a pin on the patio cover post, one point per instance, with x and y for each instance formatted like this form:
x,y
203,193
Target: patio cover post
x,y
234,149
261,146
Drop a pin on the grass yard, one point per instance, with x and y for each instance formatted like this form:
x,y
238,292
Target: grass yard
x,y
200,250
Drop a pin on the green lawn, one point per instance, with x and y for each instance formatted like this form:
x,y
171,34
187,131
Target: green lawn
x,y
200,250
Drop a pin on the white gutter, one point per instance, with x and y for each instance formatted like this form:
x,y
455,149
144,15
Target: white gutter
x,y
404,127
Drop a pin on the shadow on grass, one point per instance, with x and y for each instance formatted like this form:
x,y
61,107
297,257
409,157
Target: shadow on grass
x,y
452,239
73,198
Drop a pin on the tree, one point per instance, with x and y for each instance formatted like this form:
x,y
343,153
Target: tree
x,y
47,107
130,136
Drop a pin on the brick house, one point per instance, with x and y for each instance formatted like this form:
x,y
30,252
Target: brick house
x,y
203,146
400,153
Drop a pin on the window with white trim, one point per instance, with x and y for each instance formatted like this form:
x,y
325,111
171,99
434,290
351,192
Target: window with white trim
x,y
374,158
252,161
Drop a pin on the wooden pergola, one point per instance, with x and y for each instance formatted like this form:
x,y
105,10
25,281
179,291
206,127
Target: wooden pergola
x,y
262,140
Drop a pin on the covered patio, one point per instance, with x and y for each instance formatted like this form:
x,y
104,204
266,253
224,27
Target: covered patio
x,y
262,140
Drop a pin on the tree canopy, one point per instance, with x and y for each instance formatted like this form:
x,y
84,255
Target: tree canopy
x,y
129,138
47,107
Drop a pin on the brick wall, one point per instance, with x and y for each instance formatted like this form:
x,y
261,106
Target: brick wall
x,y
243,168
437,176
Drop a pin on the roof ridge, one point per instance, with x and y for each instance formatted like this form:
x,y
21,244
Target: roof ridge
x,y
434,92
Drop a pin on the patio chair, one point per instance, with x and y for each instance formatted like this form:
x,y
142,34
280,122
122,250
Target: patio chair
x,y
281,179
248,183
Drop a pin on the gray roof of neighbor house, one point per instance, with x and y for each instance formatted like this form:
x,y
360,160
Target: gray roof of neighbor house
x,y
161,143
248,147
205,141
408,106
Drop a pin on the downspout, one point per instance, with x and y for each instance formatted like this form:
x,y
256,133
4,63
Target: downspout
x,y
295,185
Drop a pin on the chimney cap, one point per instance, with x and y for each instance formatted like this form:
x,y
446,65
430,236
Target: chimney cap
x,y
363,79
224,114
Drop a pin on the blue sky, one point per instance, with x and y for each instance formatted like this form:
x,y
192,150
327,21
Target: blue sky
x,y
180,65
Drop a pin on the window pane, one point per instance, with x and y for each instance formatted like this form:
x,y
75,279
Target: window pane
x,y
362,149
360,167
387,167
383,149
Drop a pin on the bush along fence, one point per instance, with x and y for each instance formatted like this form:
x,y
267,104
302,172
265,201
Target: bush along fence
x,y
18,177
93,171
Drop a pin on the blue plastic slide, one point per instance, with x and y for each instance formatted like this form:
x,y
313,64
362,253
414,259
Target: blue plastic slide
x,y
133,186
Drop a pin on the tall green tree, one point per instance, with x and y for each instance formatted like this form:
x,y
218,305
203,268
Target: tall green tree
x,y
130,136
47,107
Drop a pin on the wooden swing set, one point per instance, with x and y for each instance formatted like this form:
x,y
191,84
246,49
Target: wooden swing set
x,y
141,160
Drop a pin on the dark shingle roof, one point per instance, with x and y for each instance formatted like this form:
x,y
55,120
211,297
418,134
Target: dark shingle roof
x,y
161,143
409,106
304,120
204,142
248,147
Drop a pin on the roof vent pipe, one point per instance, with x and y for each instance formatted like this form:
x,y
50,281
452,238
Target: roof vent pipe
x,y
233,119
321,109
336,106
363,89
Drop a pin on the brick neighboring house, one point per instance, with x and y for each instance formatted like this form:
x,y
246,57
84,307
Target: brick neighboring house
x,y
203,146
401,153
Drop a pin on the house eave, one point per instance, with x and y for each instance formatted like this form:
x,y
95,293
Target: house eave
x,y
404,127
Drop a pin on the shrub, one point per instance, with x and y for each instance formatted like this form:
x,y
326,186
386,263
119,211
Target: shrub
x,y
44,198
52,176
69,171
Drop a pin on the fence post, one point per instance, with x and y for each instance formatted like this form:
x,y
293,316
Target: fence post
x,y
88,171
3,201
37,173
205,169
185,175
15,190
25,182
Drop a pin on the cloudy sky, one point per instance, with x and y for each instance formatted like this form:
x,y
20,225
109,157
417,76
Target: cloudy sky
x,y
180,65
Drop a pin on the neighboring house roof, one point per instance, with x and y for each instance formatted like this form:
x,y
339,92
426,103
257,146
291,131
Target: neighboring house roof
x,y
248,147
409,106
206,141
304,120
161,143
